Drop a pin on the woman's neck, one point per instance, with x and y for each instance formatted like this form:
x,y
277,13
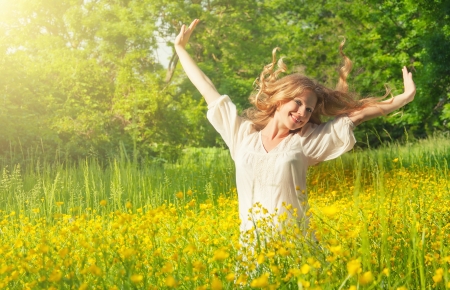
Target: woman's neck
x,y
274,131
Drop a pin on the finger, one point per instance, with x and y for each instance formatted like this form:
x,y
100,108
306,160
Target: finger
x,y
182,31
193,24
405,72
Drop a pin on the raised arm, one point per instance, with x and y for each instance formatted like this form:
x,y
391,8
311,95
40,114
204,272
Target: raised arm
x,y
387,106
195,74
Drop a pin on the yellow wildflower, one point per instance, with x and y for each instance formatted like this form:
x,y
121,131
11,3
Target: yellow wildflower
x,y
136,278
330,211
305,269
437,278
220,255
216,284
366,278
230,277
283,252
95,270
171,282
260,282
354,267
55,276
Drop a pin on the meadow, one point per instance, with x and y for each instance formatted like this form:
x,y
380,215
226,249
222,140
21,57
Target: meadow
x,y
380,220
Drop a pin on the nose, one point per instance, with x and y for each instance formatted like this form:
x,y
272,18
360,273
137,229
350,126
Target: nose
x,y
301,111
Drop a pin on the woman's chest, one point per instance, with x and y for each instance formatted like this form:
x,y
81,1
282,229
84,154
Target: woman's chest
x,y
286,155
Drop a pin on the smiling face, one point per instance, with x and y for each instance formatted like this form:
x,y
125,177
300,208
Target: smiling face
x,y
295,113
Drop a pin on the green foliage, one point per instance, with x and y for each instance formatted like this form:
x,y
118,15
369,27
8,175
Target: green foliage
x,y
81,78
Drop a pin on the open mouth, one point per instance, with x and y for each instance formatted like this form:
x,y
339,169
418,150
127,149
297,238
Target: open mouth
x,y
295,119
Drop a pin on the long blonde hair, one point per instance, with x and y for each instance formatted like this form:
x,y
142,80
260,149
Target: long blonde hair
x,y
271,91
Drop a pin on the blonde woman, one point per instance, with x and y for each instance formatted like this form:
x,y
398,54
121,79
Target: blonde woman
x,y
277,139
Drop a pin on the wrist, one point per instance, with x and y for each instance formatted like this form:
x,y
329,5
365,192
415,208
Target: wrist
x,y
179,47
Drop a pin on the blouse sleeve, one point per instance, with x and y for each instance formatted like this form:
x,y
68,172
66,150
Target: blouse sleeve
x,y
328,140
222,114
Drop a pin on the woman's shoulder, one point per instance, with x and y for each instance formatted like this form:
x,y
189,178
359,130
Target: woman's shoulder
x,y
223,99
339,122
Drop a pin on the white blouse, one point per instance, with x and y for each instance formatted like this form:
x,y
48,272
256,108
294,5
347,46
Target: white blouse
x,y
277,178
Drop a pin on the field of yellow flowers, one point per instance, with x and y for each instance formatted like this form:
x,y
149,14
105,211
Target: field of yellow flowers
x,y
380,220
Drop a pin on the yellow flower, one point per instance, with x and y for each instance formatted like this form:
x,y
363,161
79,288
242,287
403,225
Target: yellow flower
x,y
216,284
63,252
220,255
179,194
437,278
189,192
103,202
303,283
55,276
14,275
395,160
95,270
261,258
136,278
242,280
190,249
230,277
167,268
43,248
129,205
305,269
330,211
171,282
283,217
127,253
270,255
283,252
366,278
260,282
198,266
353,267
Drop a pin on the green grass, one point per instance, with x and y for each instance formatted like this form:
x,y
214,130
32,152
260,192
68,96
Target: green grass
x,y
385,210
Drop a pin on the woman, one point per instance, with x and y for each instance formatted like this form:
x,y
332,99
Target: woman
x,y
281,135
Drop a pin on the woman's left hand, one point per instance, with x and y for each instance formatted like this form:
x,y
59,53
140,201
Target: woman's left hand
x,y
410,87
387,106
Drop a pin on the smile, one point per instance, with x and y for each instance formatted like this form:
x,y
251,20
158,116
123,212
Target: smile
x,y
295,119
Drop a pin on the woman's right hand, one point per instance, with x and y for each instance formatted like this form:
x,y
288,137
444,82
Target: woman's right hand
x,y
184,35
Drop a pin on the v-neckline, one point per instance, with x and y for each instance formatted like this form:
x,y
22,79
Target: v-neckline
x,y
274,148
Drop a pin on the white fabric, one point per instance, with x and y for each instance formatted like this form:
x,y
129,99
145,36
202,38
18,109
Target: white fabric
x,y
278,176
